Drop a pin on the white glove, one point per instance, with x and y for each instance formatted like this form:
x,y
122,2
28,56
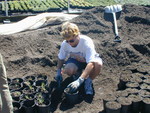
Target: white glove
x,y
73,86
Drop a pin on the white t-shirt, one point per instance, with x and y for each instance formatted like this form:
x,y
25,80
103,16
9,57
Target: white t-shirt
x,y
83,52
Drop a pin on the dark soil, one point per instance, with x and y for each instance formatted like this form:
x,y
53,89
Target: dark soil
x,y
35,52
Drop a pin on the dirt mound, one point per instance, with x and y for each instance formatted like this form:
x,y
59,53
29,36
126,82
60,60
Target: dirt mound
x,y
34,52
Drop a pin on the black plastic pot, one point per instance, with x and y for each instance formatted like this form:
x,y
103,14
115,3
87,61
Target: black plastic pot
x,y
108,98
28,106
15,87
30,90
131,91
16,95
28,84
132,85
17,107
30,78
41,83
136,103
42,95
144,93
146,105
17,80
72,98
113,107
24,97
123,80
44,107
121,93
9,80
125,104
42,77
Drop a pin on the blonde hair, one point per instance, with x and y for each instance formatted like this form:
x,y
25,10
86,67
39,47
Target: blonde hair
x,y
69,30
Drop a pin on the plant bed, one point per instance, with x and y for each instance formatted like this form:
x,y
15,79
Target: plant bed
x,y
125,104
113,107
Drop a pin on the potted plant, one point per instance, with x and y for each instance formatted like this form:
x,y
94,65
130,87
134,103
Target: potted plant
x,y
24,97
113,107
42,77
15,86
29,90
17,80
30,78
43,104
16,95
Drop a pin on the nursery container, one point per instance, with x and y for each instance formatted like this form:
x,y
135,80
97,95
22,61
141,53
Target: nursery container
x,y
125,104
41,83
24,97
132,85
28,106
16,95
146,105
136,103
108,98
17,80
72,98
123,80
30,90
113,107
43,107
17,107
121,93
42,77
30,78
15,87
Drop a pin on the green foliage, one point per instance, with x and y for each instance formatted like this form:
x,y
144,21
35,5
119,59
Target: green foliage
x,y
45,5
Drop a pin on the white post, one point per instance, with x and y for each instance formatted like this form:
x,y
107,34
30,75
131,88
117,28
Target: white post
x,y
68,5
6,8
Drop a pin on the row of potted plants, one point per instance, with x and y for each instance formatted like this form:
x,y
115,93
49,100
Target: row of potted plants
x,y
132,96
30,94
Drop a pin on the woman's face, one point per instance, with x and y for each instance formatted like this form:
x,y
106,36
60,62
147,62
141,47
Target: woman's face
x,y
73,41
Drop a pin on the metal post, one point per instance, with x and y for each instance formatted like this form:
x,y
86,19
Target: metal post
x,y
6,7
68,5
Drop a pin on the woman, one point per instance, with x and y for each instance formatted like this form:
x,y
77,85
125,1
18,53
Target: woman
x,y
79,53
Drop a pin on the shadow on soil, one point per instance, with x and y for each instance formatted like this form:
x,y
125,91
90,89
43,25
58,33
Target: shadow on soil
x,y
58,99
